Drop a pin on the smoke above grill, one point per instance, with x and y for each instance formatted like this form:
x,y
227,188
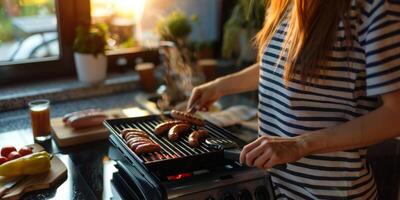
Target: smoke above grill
x,y
180,74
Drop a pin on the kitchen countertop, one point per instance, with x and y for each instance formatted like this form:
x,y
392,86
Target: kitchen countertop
x,y
19,119
90,166
17,96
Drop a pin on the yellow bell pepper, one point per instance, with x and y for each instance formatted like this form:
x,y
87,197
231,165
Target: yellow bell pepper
x,y
32,164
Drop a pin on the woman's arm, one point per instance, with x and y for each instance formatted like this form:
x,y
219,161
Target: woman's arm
x,y
242,81
206,94
374,127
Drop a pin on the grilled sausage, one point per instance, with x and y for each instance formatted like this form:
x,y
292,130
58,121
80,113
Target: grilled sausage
x,y
86,121
187,117
162,128
177,131
134,145
81,112
147,148
135,134
136,139
132,142
196,136
129,130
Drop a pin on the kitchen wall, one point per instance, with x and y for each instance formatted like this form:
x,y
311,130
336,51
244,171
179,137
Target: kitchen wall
x,y
208,12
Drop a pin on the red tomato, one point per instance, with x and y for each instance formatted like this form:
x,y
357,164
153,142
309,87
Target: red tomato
x,y
25,151
7,150
13,155
3,160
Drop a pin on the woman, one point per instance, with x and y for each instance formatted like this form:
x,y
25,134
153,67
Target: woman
x,y
328,95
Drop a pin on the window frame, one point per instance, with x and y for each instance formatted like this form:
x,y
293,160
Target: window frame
x,y
47,68
70,13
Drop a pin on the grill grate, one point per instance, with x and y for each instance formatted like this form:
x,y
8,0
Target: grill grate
x,y
174,155
170,150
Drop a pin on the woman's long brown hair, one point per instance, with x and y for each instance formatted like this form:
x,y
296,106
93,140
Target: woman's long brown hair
x,y
311,33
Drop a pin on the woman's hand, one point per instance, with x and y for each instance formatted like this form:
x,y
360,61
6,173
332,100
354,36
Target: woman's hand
x,y
205,95
268,151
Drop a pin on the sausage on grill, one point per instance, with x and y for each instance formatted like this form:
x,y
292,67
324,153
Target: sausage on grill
x,y
137,139
147,148
134,145
135,134
162,128
196,136
131,130
187,117
130,143
177,131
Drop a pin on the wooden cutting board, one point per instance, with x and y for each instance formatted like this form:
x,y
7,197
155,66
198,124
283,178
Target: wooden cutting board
x,y
67,136
56,174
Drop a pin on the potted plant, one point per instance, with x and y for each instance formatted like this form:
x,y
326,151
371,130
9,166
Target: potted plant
x,y
246,19
175,27
89,53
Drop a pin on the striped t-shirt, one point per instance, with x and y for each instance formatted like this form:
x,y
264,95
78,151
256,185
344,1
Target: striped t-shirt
x,y
348,88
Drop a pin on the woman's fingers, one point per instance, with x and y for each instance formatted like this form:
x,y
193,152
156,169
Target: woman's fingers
x,y
266,152
204,100
201,98
271,162
252,155
196,94
246,149
262,159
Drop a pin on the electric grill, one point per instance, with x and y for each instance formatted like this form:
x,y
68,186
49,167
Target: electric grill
x,y
175,157
178,171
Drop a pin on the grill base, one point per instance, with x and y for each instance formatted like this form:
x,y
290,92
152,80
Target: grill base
x,y
146,178
216,184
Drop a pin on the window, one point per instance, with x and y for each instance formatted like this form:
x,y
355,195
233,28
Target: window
x,y
121,17
28,30
206,29
36,36
34,43
131,25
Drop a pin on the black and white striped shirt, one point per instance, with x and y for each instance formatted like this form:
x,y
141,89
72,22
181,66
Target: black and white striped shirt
x,y
345,91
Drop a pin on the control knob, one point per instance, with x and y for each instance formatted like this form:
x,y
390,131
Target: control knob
x,y
245,194
228,196
261,193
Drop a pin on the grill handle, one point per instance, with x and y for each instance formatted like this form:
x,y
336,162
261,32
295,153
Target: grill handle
x,y
232,154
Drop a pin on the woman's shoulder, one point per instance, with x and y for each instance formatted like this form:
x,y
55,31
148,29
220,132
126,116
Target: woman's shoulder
x,y
369,7
372,13
379,35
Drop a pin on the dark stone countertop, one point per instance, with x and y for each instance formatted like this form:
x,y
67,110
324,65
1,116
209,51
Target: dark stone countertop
x,y
17,96
90,166
19,119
